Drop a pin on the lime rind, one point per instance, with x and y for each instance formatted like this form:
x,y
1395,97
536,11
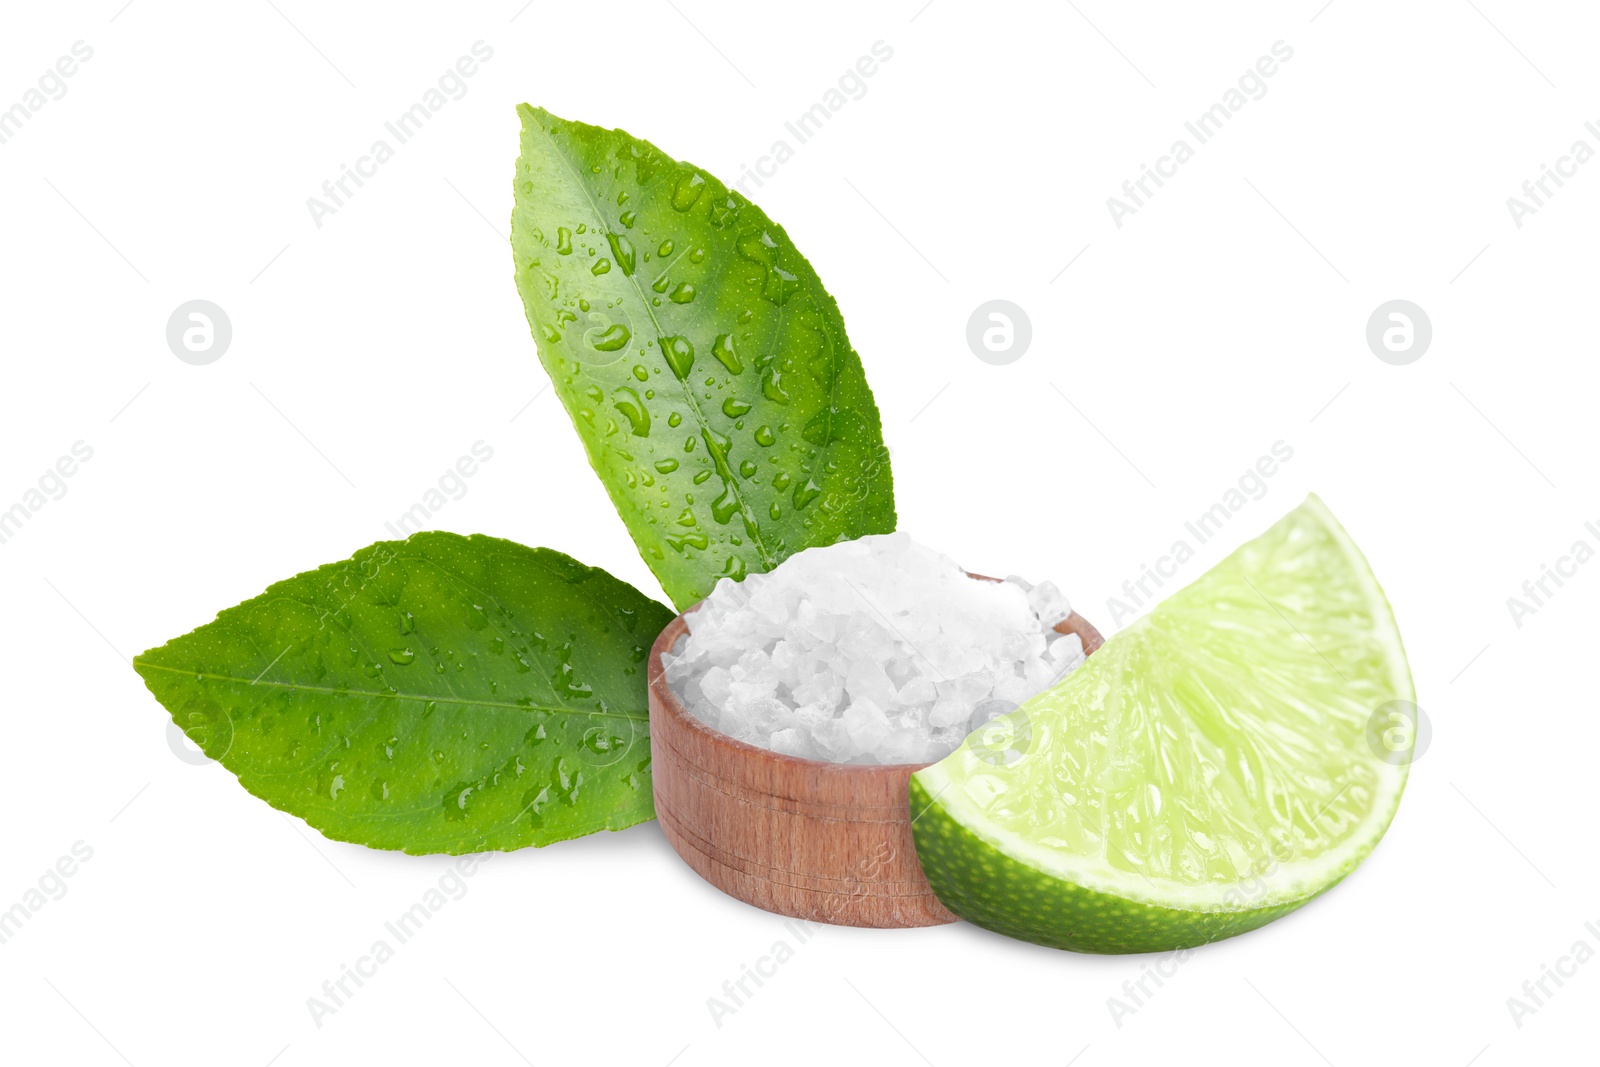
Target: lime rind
x,y
989,888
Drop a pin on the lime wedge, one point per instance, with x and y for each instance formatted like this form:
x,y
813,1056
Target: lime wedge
x,y
1212,767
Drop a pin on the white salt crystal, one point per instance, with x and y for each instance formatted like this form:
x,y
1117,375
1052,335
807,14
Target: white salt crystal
x,y
768,715
877,650
1048,603
1040,674
812,717
948,711
1013,690
833,740
715,683
867,682
785,656
969,688
866,723
902,746
917,691
791,742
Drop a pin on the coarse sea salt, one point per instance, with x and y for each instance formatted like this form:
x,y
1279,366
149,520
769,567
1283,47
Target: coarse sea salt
x,y
877,650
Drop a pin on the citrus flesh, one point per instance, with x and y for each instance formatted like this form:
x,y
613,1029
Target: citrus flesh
x,y
1209,769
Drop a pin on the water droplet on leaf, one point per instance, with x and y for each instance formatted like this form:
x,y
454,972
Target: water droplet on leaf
x,y
613,338
687,190
722,348
679,354
622,251
625,400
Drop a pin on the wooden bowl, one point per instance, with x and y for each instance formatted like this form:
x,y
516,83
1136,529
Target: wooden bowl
x,y
826,842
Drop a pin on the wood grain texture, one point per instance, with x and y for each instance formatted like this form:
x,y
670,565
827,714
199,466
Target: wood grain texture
x,y
826,842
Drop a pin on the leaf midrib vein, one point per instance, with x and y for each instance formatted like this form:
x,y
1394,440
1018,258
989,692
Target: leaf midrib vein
x,y
753,528
143,664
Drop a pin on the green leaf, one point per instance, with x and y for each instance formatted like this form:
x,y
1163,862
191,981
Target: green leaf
x,y
439,694
706,369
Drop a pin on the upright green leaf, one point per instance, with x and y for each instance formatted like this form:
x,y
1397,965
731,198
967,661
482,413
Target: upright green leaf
x,y
706,369
440,694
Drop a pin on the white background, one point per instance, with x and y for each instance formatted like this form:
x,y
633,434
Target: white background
x,y
368,354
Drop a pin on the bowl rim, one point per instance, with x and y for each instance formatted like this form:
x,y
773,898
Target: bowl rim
x,y
659,688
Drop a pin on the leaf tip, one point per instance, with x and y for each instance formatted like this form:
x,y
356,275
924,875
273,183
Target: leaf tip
x,y
534,116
